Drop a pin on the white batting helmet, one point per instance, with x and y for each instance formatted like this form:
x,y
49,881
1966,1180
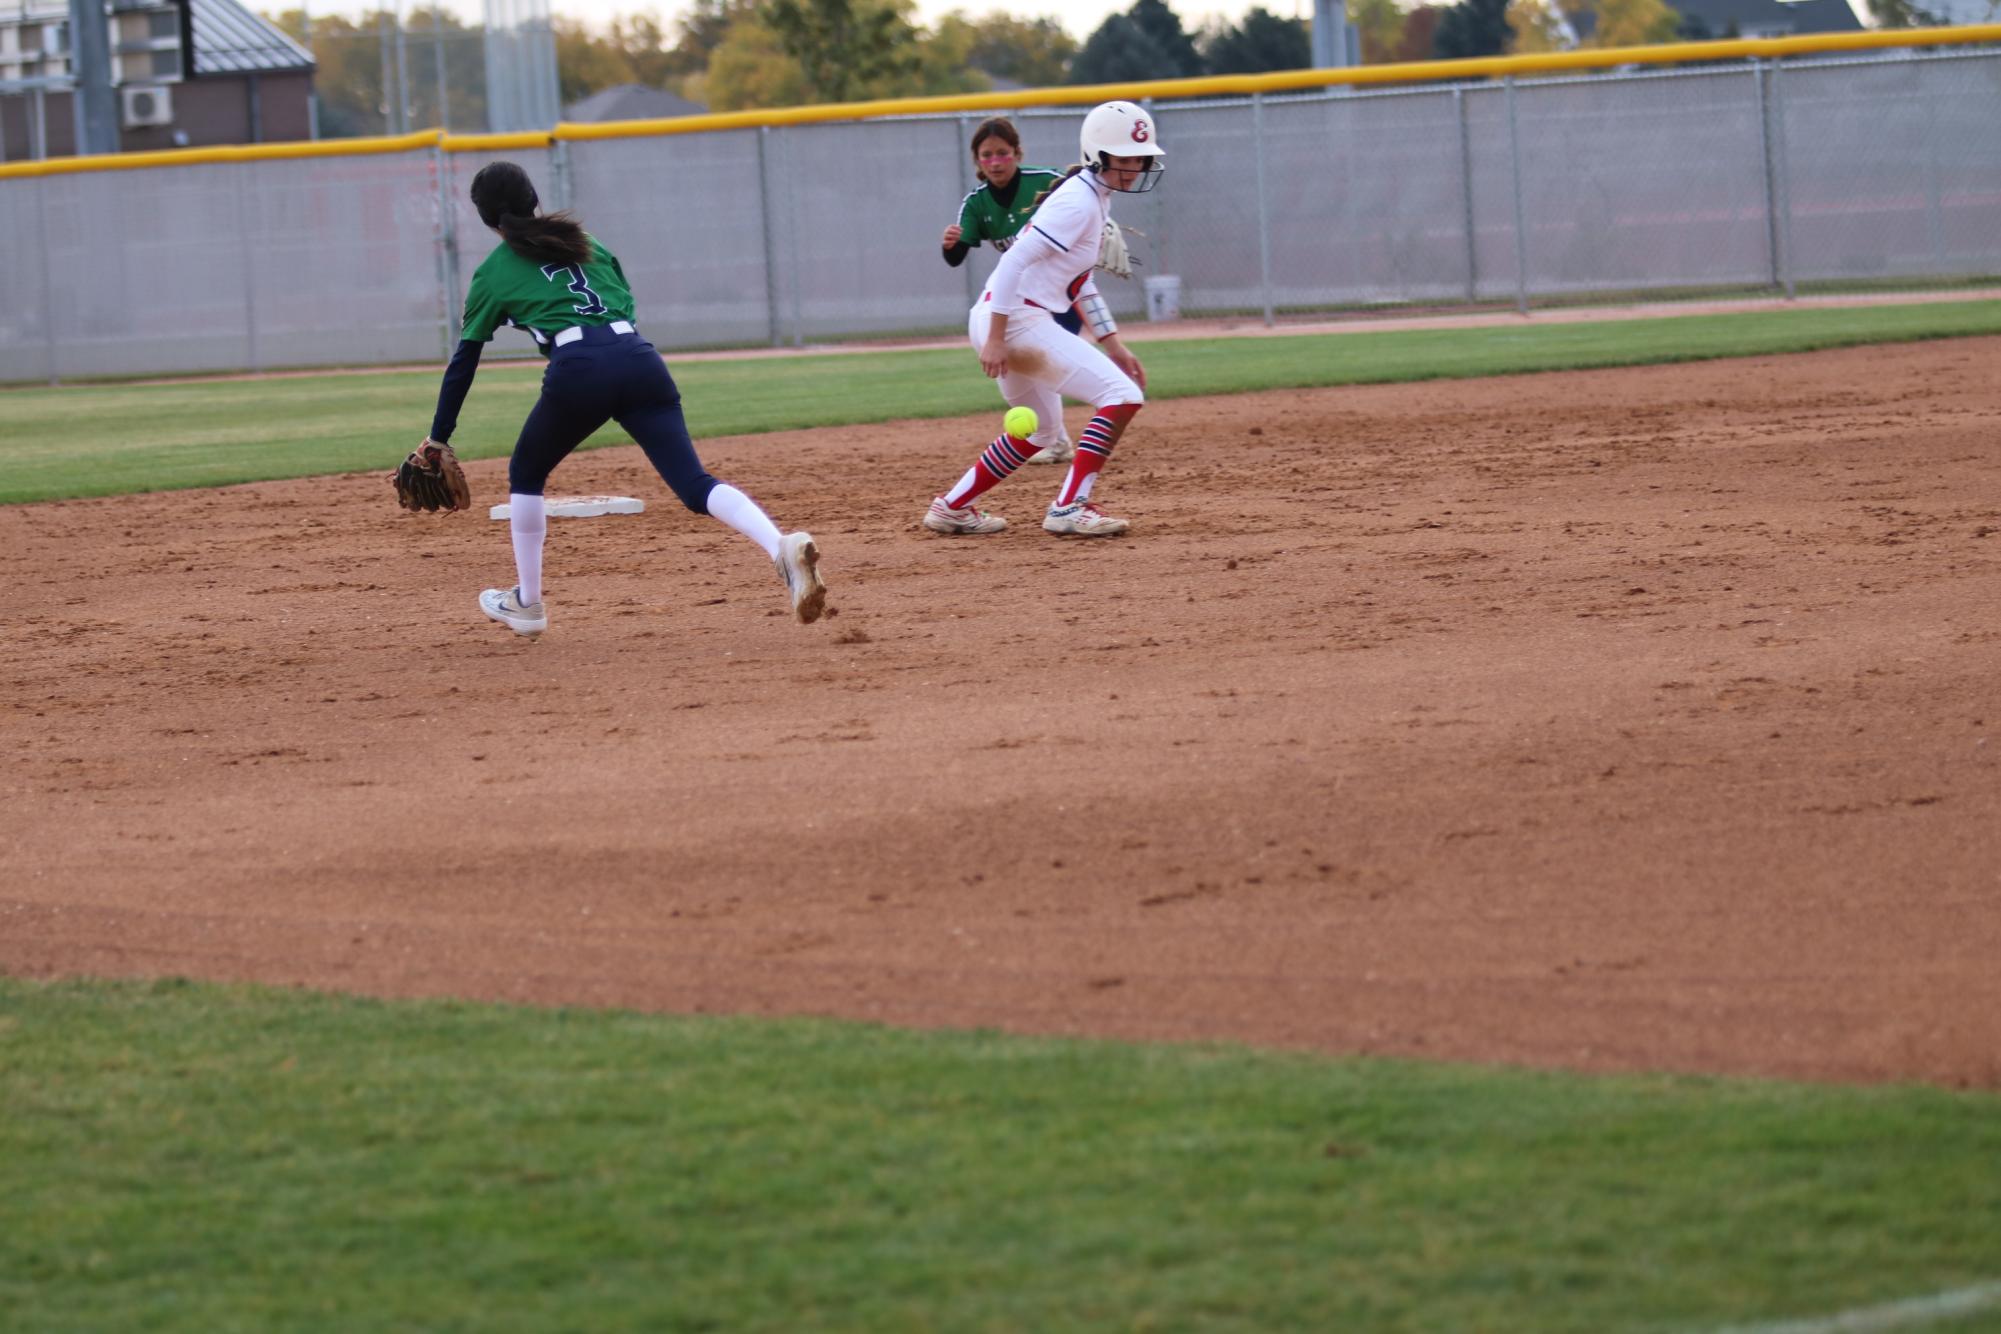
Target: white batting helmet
x,y
1120,129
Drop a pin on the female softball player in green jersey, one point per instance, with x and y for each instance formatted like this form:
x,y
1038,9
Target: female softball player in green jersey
x,y
996,213
561,285
1012,326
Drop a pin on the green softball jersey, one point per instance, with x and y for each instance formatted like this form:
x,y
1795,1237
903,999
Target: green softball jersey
x,y
544,299
984,218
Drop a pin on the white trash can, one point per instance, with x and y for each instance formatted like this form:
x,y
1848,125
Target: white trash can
x,y
1163,297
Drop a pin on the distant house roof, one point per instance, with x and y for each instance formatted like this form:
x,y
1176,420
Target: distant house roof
x,y
631,101
229,39
1769,18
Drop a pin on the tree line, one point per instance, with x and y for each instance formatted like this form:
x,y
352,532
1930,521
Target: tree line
x,y
730,55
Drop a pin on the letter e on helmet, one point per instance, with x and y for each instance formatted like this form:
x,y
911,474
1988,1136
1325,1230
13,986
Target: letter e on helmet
x,y
1121,129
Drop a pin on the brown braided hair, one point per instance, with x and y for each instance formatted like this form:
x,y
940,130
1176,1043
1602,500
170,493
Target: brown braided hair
x,y
1072,170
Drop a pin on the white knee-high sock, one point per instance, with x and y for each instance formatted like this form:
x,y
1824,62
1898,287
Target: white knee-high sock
x,y
528,521
740,512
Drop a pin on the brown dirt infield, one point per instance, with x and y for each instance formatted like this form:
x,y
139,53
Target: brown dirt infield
x,y
1609,720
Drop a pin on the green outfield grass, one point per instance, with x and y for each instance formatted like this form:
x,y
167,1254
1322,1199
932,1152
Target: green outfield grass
x,y
110,439
206,1158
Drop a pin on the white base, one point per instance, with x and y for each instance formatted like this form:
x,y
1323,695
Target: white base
x,y
579,507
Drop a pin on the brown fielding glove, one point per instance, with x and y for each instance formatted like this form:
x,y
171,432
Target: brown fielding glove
x,y
430,479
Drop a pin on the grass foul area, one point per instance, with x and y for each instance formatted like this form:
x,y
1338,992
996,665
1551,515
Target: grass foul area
x,y
206,1158
110,439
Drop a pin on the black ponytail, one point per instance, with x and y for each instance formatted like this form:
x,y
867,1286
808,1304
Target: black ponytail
x,y
507,201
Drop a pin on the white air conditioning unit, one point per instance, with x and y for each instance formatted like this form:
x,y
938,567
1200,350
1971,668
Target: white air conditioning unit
x,y
147,106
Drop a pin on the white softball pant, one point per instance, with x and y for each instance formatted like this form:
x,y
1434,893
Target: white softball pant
x,y
1045,363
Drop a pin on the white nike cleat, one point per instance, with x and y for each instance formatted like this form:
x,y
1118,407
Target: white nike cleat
x,y
942,518
798,563
1061,452
505,606
1082,519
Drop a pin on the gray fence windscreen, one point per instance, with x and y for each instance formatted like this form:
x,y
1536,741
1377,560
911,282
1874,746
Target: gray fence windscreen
x,y
1743,175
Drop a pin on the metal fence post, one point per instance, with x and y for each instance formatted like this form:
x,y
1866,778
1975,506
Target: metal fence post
x,y
560,168
388,74
792,236
1782,176
1760,77
968,182
447,249
438,67
1163,244
402,74
48,277
247,248
1934,204
1264,207
770,239
1521,224
1466,194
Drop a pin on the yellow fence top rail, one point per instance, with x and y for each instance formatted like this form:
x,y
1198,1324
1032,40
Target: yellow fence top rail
x,y
187,157
1227,85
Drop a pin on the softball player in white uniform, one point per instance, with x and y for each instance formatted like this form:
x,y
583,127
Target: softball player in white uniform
x,y
1012,327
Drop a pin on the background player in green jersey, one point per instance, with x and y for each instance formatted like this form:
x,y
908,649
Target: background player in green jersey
x,y
995,213
561,285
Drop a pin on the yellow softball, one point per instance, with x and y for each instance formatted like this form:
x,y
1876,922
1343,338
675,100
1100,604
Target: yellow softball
x,y
1020,423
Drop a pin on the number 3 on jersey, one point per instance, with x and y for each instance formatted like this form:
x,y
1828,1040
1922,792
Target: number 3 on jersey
x,y
592,303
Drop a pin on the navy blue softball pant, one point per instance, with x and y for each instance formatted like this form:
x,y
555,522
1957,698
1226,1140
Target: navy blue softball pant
x,y
606,376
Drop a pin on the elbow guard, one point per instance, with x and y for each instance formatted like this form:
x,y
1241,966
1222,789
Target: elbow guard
x,y
1098,315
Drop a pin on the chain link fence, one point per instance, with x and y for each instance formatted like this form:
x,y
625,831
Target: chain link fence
x,y
1773,176
394,79
395,72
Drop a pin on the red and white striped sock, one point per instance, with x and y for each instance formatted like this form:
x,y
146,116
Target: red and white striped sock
x,y
1094,450
996,462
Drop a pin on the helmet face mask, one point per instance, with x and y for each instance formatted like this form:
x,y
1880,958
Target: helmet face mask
x,y
1121,129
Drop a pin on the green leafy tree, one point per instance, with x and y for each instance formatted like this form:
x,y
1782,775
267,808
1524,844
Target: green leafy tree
x,y
1261,43
1633,23
750,68
651,58
1381,25
348,85
1472,28
639,49
942,64
758,63
703,28
586,61
1120,52
1163,25
1551,25
844,47
1535,26
1420,35
1033,52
